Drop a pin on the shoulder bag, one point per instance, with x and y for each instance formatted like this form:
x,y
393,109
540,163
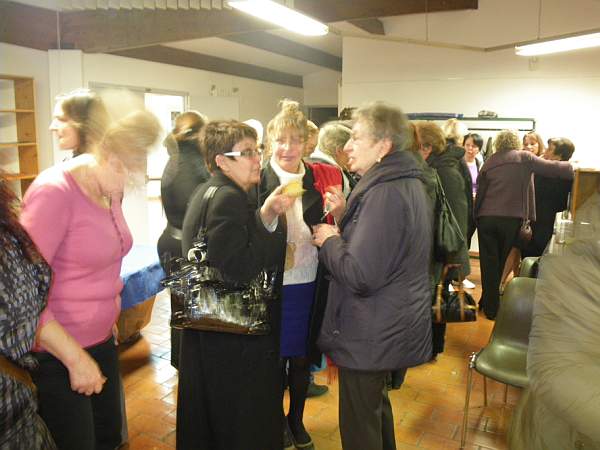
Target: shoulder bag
x,y
448,237
205,300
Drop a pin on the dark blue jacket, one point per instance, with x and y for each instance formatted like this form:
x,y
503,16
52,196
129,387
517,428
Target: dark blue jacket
x,y
378,314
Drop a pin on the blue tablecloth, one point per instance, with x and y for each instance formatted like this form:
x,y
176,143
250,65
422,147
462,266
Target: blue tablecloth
x,y
141,273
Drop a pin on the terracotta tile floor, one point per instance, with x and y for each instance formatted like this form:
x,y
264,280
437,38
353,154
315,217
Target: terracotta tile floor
x,y
427,409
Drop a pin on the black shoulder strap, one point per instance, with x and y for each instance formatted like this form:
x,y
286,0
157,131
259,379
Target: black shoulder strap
x,y
209,194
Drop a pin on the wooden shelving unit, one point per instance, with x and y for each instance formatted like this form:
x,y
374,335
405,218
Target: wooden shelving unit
x,y
585,183
18,112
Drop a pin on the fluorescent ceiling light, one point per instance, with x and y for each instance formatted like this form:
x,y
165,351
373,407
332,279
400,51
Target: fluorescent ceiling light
x,y
282,16
559,45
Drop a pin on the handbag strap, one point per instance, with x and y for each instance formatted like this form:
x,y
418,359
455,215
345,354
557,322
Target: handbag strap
x,y
16,373
208,195
526,197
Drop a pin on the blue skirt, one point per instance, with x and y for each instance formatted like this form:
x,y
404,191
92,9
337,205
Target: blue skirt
x,y
297,301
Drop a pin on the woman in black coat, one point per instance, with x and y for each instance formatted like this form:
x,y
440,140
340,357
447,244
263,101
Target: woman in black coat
x,y
447,161
230,394
184,171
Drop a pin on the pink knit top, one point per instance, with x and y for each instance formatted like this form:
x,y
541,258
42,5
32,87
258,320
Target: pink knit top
x,y
84,244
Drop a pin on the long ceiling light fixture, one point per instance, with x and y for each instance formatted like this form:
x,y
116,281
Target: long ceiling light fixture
x,y
559,45
281,16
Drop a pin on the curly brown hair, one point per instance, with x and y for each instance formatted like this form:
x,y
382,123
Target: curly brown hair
x,y
9,222
507,140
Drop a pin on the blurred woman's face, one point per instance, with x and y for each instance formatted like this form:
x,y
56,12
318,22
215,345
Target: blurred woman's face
x,y
244,170
471,150
531,145
64,129
287,149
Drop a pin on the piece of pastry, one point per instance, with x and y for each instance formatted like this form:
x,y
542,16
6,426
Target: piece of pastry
x,y
293,189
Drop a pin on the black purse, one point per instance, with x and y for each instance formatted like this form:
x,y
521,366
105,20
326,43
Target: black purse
x,y
448,237
456,306
204,300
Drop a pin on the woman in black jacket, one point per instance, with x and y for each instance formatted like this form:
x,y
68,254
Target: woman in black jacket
x,y
184,171
447,161
229,395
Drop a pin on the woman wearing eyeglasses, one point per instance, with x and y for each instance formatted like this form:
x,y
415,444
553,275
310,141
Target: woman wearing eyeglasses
x,y
304,290
229,394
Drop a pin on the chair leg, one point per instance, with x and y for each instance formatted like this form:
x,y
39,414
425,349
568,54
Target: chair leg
x,y
484,390
463,435
505,394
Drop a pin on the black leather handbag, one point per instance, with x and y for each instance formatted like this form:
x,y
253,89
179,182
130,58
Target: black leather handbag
x,y
448,237
204,300
456,306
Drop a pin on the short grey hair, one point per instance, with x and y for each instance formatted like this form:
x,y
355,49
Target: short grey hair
x,y
332,137
386,122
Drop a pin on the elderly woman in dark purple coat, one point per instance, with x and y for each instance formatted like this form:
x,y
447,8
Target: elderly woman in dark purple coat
x,y
378,316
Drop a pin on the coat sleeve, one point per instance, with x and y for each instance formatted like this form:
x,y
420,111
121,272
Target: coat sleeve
x,y
239,245
366,261
550,169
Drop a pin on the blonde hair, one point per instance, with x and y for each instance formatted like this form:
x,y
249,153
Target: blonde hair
x,y
312,128
507,140
332,137
89,116
290,116
130,138
454,131
431,134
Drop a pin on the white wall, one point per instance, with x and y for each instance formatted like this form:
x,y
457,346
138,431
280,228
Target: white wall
x,y
257,99
33,63
321,88
562,92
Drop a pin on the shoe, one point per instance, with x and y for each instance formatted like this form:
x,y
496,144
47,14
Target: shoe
x,y
300,438
316,390
287,437
467,284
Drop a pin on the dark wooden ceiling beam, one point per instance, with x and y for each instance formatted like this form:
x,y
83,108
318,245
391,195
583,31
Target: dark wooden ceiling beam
x,y
28,26
338,10
373,26
184,58
111,30
285,47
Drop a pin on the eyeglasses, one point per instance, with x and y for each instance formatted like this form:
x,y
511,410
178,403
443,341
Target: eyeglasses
x,y
244,153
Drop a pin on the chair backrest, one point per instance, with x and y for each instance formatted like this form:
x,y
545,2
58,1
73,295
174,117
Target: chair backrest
x,y
513,322
529,267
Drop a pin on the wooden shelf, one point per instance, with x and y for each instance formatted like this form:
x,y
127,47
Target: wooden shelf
x,y
20,176
16,144
18,111
23,111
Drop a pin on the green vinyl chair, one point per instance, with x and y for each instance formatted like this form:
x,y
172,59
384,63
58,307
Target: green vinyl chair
x,y
529,267
504,358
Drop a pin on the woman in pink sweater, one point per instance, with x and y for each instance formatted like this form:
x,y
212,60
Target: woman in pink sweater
x,y
72,212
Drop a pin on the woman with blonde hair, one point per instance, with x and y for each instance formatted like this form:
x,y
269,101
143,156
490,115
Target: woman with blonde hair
x,y
72,212
504,200
304,289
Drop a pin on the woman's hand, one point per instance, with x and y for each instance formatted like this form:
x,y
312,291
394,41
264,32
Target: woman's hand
x,y
335,202
85,375
322,232
275,205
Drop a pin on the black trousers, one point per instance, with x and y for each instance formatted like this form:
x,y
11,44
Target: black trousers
x,y
76,421
366,418
230,392
496,237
